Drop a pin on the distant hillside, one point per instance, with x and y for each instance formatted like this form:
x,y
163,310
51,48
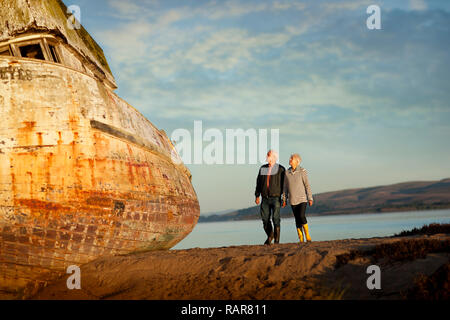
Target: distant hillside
x,y
406,196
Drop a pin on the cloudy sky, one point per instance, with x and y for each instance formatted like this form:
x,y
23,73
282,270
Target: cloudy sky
x,y
362,107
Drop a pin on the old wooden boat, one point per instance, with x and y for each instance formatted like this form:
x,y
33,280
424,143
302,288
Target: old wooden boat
x,y
82,173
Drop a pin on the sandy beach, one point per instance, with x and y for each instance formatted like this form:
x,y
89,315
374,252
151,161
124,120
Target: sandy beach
x,y
315,270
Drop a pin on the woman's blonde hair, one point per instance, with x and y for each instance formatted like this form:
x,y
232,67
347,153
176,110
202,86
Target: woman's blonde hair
x,y
296,157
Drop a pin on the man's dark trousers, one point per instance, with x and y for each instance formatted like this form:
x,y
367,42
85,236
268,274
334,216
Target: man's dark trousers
x,y
270,206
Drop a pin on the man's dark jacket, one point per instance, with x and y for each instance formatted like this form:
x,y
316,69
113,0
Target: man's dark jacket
x,y
275,183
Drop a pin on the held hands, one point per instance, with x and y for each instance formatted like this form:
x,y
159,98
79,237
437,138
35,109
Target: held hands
x,y
257,200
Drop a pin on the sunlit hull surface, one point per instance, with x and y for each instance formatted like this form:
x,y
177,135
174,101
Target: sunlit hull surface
x,y
82,174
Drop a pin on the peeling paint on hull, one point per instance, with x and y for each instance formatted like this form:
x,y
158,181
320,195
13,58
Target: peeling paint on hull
x,y
82,174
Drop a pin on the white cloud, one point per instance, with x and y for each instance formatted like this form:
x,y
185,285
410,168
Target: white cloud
x,y
346,5
230,9
281,5
167,54
418,5
147,38
131,10
297,30
225,49
286,100
125,8
289,5
127,43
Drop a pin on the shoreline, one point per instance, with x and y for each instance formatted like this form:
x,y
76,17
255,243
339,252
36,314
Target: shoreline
x,y
346,213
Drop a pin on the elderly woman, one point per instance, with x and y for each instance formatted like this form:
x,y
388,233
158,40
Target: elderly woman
x,y
297,189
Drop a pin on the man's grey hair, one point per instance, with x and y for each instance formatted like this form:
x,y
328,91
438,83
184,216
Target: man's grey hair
x,y
272,154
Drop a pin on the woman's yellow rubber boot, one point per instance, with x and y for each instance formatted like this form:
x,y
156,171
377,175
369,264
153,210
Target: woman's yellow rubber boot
x,y
300,234
308,238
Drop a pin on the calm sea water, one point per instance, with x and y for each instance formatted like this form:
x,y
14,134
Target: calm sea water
x,y
219,234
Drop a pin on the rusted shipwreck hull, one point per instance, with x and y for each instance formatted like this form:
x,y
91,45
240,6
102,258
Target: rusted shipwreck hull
x,y
82,173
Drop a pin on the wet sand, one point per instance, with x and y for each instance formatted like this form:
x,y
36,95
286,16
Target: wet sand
x,y
283,271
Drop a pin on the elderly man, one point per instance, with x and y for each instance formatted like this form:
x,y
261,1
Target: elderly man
x,y
269,185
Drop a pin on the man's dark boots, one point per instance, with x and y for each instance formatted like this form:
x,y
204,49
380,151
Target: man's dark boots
x,y
277,234
269,232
